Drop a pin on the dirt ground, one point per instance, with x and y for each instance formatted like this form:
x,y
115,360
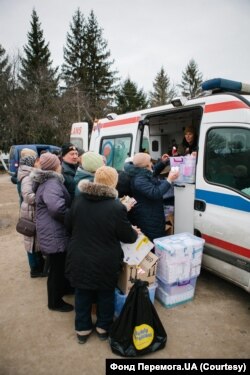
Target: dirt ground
x,y
35,340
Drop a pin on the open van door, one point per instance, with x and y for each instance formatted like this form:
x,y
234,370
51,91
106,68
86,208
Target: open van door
x,y
222,200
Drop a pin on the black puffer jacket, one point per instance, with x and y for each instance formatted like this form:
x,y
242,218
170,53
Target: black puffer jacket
x,y
148,213
68,172
98,222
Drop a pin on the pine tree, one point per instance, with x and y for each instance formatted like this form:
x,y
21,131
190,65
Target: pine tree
x,y
87,68
129,98
191,80
37,73
5,97
162,93
39,82
73,69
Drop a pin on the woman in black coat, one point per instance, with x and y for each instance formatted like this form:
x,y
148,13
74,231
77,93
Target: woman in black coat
x,y
98,223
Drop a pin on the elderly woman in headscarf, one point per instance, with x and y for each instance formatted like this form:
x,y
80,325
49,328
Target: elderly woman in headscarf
x,y
27,210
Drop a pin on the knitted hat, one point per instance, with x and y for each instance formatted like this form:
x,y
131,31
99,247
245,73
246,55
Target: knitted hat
x,y
27,152
67,147
106,176
141,160
28,160
49,162
91,161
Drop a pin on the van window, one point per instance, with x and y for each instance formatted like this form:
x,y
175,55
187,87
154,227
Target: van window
x,y
116,149
145,144
77,142
227,160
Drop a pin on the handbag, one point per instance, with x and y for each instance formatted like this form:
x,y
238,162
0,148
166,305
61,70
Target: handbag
x,y
138,329
26,227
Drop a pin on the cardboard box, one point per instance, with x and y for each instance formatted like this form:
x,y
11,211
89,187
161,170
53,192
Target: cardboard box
x,y
145,271
169,227
135,252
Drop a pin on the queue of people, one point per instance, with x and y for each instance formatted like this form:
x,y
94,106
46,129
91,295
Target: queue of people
x,y
81,222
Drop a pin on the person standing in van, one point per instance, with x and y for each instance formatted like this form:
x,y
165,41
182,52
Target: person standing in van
x,y
69,155
27,210
190,142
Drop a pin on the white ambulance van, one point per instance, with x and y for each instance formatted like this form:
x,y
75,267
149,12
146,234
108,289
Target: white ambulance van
x,y
220,197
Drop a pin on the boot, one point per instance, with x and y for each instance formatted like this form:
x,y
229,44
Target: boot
x,y
35,272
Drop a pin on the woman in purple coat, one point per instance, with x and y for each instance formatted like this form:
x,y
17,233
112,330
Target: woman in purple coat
x,y
52,202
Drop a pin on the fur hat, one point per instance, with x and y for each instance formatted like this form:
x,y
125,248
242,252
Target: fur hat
x,y
91,161
67,147
49,162
28,160
106,176
141,160
27,152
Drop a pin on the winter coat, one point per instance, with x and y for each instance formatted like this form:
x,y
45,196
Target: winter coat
x,y
148,191
27,209
98,223
82,174
52,202
68,172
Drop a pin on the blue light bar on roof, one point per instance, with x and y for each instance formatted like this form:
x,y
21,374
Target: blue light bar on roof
x,y
222,84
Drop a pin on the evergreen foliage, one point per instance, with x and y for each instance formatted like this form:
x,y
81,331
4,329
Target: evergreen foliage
x,y
163,93
39,84
88,68
5,98
35,109
129,98
37,73
191,80
73,68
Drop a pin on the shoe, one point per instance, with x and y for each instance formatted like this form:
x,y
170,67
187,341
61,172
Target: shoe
x,y
102,336
82,338
34,273
64,307
44,274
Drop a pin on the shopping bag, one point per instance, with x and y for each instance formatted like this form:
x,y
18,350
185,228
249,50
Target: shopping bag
x,y
138,329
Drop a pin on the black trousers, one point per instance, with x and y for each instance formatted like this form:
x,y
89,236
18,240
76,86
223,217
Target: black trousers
x,y
56,283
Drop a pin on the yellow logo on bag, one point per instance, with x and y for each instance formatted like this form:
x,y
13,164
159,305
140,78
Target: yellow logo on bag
x,y
143,336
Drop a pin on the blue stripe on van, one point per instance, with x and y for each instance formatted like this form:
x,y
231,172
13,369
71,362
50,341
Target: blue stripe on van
x,y
225,200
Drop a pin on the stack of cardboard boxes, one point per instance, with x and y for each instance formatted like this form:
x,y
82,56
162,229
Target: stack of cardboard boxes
x,y
139,263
